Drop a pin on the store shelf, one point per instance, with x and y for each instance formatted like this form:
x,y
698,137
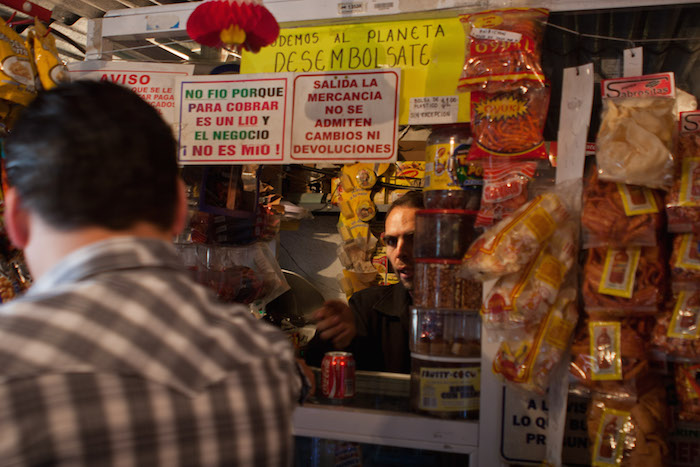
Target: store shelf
x,y
387,428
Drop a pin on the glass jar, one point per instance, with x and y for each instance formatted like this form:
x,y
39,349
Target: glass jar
x,y
451,182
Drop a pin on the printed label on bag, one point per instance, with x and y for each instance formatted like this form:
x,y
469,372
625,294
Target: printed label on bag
x,y
618,272
689,254
690,182
610,437
686,313
637,200
605,350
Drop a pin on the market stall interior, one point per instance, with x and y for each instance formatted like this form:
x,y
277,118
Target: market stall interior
x,y
516,280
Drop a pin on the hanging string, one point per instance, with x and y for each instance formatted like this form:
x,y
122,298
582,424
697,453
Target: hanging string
x,y
630,41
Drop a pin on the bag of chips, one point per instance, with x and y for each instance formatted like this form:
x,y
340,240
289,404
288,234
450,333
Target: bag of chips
x,y
503,48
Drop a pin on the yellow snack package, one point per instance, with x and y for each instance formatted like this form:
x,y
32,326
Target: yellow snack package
x,y
16,74
49,66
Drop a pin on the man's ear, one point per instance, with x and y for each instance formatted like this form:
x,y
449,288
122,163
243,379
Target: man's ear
x,y
16,219
181,211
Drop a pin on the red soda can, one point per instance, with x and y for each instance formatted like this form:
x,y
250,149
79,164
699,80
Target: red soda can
x,y
338,375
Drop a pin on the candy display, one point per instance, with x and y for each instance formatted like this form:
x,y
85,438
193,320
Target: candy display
x,y
505,189
438,285
445,332
443,233
685,262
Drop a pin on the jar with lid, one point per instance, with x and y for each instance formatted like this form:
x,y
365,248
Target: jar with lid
x,y
451,182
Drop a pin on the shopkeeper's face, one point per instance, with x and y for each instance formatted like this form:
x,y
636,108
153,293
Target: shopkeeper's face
x,y
398,236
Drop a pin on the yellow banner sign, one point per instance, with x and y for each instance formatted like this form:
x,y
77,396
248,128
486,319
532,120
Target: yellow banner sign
x,y
429,52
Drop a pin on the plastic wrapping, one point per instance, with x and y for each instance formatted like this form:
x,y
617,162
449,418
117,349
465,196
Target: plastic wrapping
x,y
677,331
624,280
49,66
629,432
509,245
17,80
437,285
611,355
685,262
246,275
526,358
505,189
634,141
443,233
503,48
509,123
525,297
687,378
445,332
619,215
683,200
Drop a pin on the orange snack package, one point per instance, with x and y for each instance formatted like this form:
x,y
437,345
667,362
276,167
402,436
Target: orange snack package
x,y
503,48
509,124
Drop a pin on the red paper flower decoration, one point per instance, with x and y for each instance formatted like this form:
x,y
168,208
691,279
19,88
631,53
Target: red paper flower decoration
x,y
221,23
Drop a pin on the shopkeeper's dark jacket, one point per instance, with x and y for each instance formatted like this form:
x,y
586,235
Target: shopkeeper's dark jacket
x,y
383,322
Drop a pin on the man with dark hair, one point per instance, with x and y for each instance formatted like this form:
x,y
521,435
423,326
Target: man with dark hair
x,y
115,356
374,325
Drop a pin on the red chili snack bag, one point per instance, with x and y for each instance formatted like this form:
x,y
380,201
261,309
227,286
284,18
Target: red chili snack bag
x,y
503,48
687,376
683,201
504,190
677,331
509,123
685,262
624,280
620,215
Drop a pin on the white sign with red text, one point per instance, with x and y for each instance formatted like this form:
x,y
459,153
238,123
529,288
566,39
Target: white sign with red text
x,y
345,116
154,82
233,119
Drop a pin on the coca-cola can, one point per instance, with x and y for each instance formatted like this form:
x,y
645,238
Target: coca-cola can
x,y
338,375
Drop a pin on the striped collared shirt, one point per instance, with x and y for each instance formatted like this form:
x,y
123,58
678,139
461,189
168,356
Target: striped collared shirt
x,y
116,357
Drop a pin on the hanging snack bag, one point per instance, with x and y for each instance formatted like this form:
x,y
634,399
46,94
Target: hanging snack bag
x,y
509,245
687,376
505,189
509,123
527,357
685,262
619,215
677,331
629,431
634,142
16,74
50,68
611,355
683,201
523,298
503,48
624,280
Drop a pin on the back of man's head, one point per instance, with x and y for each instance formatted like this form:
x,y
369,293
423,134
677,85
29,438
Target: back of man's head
x,y
92,153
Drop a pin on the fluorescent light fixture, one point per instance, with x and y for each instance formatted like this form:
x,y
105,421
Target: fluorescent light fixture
x,y
169,49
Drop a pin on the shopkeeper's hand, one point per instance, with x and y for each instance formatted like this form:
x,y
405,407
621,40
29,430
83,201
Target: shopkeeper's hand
x,y
335,322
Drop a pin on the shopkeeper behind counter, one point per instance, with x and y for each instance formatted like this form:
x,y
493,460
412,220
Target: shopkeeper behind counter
x,y
374,325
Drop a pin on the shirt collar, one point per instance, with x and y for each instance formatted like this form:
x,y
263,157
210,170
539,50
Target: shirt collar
x,y
113,254
395,302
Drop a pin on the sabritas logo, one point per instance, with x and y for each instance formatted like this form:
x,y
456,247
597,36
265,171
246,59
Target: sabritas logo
x,y
501,108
